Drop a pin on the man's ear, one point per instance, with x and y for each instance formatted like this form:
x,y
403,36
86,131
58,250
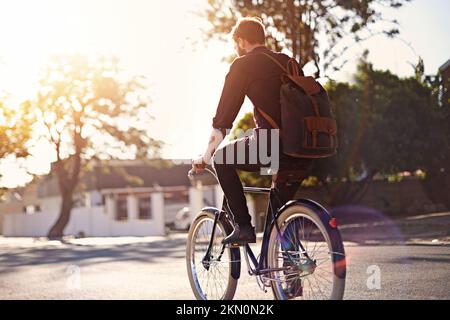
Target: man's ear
x,y
241,43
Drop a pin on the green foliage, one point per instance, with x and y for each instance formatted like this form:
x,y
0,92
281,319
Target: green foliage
x,y
386,125
15,129
244,124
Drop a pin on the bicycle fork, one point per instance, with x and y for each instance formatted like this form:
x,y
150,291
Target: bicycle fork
x,y
207,257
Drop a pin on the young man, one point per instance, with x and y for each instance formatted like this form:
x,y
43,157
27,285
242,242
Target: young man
x,y
254,75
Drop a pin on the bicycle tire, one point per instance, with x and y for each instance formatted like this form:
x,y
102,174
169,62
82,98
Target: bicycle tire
x,y
190,264
332,237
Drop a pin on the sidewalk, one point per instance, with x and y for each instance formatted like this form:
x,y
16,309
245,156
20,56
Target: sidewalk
x,y
427,229
26,242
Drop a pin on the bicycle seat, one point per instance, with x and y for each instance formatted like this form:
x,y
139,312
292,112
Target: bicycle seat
x,y
291,169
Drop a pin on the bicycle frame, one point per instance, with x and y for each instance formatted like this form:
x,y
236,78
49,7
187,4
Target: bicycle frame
x,y
259,266
270,219
273,210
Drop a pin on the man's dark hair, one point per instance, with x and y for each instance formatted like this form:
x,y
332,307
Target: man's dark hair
x,y
250,29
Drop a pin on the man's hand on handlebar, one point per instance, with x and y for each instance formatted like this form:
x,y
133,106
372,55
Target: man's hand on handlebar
x,y
198,165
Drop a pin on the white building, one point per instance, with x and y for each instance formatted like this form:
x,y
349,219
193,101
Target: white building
x,y
112,203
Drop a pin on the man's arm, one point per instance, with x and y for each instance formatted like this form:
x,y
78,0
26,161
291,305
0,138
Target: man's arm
x,y
233,95
215,139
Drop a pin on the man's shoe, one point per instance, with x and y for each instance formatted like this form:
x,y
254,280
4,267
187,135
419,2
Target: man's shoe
x,y
241,235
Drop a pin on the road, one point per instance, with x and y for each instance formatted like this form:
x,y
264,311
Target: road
x,y
154,268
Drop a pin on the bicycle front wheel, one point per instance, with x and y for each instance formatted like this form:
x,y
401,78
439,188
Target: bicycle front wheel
x,y
308,256
210,278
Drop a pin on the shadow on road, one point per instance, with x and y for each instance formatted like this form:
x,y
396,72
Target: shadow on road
x,y
66,252
359,225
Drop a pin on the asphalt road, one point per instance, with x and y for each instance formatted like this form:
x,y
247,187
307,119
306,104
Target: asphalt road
x,y
154,268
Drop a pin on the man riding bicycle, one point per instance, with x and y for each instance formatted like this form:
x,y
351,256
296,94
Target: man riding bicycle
x,y
253,75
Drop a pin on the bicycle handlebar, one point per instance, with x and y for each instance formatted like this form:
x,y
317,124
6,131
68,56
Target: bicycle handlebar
x,y
191,174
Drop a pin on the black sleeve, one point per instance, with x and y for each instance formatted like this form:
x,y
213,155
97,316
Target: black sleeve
x,y
233,95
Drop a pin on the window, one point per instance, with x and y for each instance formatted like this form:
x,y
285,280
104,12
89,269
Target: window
x,y
121,207
145,210
31,208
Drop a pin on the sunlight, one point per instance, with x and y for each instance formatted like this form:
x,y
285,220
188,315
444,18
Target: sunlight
x,y
132,31
151,38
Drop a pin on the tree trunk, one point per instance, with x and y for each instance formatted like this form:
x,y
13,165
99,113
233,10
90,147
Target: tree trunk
x,y
67,182
57,230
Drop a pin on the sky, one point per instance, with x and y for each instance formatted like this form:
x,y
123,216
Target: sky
x,y
155,38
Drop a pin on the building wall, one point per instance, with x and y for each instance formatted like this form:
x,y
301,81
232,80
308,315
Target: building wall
x,y
95,221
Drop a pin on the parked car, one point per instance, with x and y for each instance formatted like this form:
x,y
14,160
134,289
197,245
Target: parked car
x,y
182,219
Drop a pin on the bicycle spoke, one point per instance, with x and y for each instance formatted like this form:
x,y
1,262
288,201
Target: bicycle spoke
x,y
320,292
312,262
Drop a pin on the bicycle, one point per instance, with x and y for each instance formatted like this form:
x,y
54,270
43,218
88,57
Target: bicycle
x,y
301,257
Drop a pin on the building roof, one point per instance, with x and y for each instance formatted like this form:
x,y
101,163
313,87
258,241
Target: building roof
x,y
128,174
445,66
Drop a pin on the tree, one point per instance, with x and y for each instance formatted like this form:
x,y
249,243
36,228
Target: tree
x,y
437,151
15,131
297,25
90,110
386,125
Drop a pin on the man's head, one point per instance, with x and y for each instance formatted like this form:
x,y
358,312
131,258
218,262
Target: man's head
x,y
247,34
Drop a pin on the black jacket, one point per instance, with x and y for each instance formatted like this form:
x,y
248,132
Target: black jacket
x,y
259,78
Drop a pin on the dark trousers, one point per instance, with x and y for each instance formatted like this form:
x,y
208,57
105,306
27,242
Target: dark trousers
x,y
241,157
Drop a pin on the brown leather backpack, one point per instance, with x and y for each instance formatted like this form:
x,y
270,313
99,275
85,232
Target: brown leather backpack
x,y
307,129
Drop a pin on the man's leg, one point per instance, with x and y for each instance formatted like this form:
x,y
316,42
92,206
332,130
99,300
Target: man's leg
x,y
229,179
236,156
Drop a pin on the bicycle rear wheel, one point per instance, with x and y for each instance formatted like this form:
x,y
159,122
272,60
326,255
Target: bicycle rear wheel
x,y
211,279
310,255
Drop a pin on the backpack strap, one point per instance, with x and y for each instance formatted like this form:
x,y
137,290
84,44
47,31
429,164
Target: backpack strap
x,y
292,63
308,84
268,118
